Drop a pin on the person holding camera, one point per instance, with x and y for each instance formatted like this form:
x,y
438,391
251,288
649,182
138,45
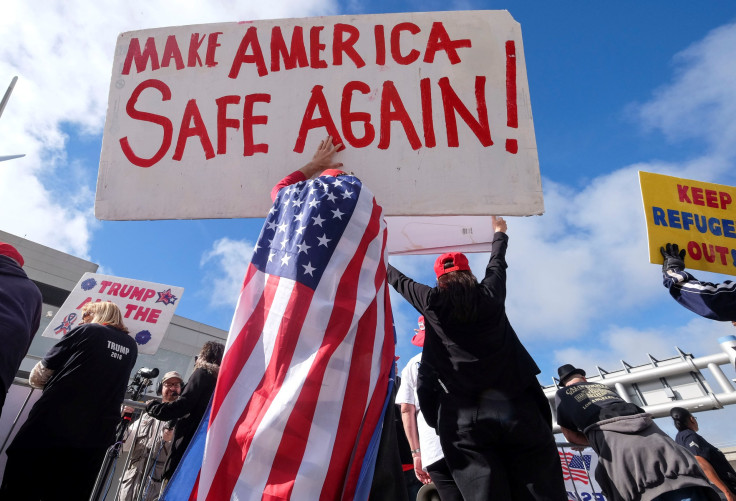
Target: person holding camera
x,y
149,444
189,408
59,449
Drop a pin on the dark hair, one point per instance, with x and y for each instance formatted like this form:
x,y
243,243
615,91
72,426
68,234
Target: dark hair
x,y
681,417
462,289
212,352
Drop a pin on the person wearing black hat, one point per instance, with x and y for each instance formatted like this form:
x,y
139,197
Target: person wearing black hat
x,y
490,412
636,459
20,315
713,461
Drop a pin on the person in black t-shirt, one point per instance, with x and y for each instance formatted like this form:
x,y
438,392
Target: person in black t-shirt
x,y
59,449
713,461
581,404
636,460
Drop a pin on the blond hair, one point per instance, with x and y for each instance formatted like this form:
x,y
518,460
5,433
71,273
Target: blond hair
x,y
106,313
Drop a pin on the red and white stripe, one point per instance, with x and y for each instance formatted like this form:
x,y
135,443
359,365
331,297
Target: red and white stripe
x,y
304,377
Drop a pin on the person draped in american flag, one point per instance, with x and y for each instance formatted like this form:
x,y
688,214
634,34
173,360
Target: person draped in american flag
x,y
308,365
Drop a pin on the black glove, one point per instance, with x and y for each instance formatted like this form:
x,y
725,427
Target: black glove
x,y
674,258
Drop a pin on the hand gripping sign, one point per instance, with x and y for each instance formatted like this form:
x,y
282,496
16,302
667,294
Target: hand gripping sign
x,y
696,215
433,110
147,307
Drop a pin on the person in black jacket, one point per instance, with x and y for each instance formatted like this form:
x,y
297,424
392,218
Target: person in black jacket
x,y
58,451
191,405
20,315
493,419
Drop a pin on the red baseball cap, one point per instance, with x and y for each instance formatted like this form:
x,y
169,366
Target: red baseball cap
x,y
458,260
418,339
11,252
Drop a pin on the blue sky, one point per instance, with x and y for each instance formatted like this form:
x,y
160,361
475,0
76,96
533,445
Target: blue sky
x,y
615,87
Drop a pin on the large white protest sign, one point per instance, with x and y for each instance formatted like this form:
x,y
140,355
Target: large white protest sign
x,y
433,110
438,234
147,307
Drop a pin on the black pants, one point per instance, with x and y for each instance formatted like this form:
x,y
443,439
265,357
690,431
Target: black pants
x,y
442,479
388,477
58,474
501,448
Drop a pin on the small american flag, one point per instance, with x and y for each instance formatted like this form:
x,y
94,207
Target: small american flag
x,y
575,467
303,384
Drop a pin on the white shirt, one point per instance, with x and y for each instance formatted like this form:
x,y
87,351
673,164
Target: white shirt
x,y
429,442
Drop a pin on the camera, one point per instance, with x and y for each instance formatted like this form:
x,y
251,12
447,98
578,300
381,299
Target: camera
x,y
147,373
141,381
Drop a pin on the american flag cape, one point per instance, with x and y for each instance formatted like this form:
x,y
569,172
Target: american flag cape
x,y
299,401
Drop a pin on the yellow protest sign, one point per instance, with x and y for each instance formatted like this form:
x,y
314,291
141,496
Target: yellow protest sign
x,y
697,216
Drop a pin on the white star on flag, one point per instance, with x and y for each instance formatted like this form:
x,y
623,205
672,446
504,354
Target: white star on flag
x,y
308,269
323,240
318,220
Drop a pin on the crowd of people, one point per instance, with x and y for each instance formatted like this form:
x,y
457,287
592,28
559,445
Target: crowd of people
x,y
473,417
58,451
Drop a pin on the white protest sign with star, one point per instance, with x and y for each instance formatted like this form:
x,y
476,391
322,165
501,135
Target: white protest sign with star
x,y
147,307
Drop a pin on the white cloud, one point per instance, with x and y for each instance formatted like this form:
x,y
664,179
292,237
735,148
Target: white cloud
x,y
225,265
62,53
585,262
631,344
701,102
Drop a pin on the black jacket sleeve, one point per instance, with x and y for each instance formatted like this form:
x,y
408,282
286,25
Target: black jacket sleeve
x,y
714,301
182,406
495,279
417,294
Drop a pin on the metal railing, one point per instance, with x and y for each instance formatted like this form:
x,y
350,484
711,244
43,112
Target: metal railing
x,y
630,377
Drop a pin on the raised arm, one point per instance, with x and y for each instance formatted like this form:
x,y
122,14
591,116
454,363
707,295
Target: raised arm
x,y
321,161
495,278
714,301
417,294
